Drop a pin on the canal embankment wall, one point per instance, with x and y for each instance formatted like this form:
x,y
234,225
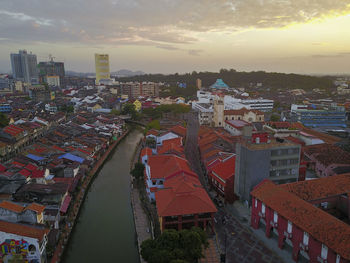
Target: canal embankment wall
x,y
74,210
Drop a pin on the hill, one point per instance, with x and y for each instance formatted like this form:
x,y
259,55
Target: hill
x,y
234,78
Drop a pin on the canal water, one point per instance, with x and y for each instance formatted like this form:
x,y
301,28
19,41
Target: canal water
x,y
105,229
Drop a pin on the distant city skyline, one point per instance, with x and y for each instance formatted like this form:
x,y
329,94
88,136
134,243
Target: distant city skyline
x,y
307,37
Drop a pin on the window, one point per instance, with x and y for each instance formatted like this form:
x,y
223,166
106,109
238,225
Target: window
x,y
256,203
324,251
275,217
290,227
337,260
306,239
32,249
263,208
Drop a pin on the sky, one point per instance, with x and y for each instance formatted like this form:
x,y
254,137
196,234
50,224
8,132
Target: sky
x,y
168,36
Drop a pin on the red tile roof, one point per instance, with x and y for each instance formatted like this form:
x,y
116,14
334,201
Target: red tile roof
x,y
163,166
171,149
320,188
146,151
36,207
286,201
25,172
225,169
11,206
177,141
24,230
13,130
327,154
279,124
179,130
152,132
183,195
242,112
2,168
238,124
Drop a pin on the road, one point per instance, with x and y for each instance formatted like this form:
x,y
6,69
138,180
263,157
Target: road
x,y
240,244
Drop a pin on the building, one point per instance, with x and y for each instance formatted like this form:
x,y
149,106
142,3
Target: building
x,y
326,159
149,89
39,93
198,84
205,112
218,117
24,67
5,108
261,157
4,83
222,176
281,129
27,241
50,69
219,85
232,103
183,203
238,127
53,81
102,67
310,218
244,114
311,116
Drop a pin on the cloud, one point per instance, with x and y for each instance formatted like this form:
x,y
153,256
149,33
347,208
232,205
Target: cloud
x,y
337,55
161,23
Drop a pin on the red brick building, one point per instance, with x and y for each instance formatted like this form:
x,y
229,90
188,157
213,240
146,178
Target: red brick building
x,y
184,203
222,176
311,216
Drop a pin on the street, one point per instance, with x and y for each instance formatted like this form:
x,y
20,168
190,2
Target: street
x,y
240,244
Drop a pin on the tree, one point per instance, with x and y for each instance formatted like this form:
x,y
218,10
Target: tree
x,y
175,246
137,172
115,112
129,109
155,124
275,117
4,121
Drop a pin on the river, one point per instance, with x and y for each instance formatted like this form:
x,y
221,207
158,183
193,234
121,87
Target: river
x,y
105,229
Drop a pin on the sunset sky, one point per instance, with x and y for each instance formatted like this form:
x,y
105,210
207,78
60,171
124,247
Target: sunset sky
x,y
167,36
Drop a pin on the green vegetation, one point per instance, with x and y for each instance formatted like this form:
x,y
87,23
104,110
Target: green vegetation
x,y
233,78
158,112
67,108
275,117
151,143
155,124
115,112
137,172
183,246
4,121
129,109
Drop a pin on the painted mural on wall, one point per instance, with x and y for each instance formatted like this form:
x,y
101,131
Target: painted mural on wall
x,y
14,250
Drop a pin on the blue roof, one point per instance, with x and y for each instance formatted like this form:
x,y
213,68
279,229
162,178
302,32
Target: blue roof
x,y
34,157
72,157
219,84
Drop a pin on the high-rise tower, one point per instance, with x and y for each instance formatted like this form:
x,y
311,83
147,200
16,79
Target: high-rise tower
x,y
24,67
102,67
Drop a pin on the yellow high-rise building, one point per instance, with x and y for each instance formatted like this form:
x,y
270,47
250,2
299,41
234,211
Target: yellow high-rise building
x,y
102,67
